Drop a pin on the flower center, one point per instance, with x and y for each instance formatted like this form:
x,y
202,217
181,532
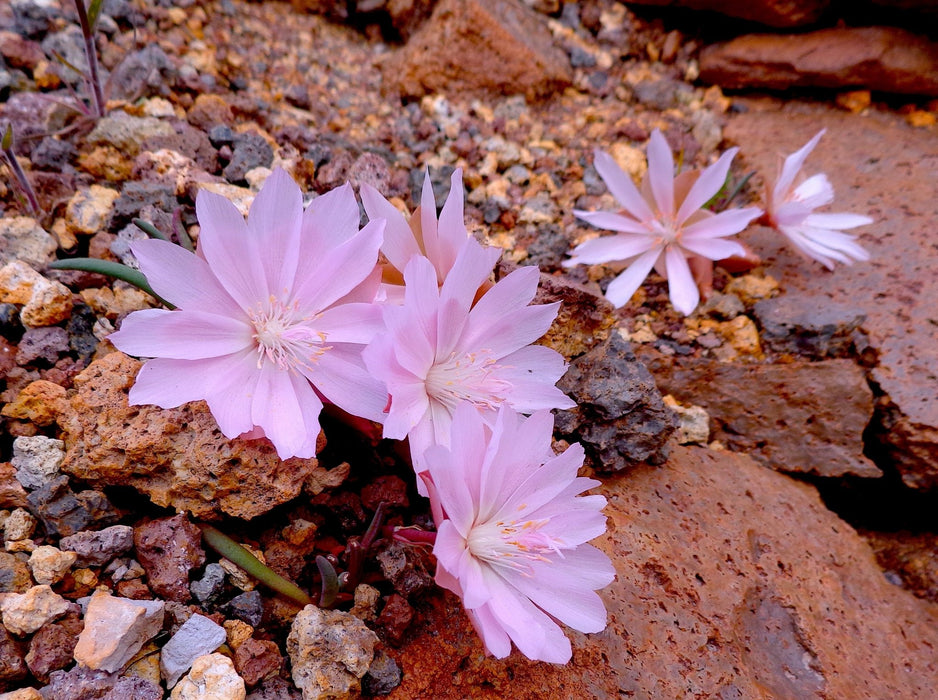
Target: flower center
x,y
284,337
514,544
466,377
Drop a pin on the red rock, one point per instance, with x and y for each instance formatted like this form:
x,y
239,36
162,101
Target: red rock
x,y
20,52
886,59
775,13
178,457
50,649
12,493
777,598
168,549
882,167
913,558
499,47
12,664
209,111
395,618
257,659
388,489
797,417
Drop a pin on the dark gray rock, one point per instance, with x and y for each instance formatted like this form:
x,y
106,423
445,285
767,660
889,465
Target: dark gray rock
x,y
70,45
620,417
383,676
247,607
11,327
136,195
33,18
143,73
80,329
42,346
52,154
251,151
210,585
814,326
60,511
407,568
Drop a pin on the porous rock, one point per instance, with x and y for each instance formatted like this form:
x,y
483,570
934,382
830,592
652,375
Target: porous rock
x,y
212,676
168,548
330,651
126,133
39,402
49,564
511,48
885,59
98,547
22,238
12,664
51,649
115,629
178,457
798,417
24,613
197,637
778,598
811,326
620,417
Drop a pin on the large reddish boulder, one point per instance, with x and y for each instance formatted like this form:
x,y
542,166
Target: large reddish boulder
x,y
774,13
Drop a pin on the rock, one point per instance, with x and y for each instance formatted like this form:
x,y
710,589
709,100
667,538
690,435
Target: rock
x,y
37,460
395,618
407,568
238,632
884,59
13,667
197,637
59,509
875,166
126,133
387,489
117,302
19,525
10,330
798,417
20,52
46,302
257,659
383,676
38,402
69,44
366,600
186,141
142,73
127,687
210,585
512,49
78,682
14,574
42,347
370,168
774,13
177,457
814,327
89,209
24,613
210,111
28,693
51,649
251,150
794,614
49,564
107,163
752,288
168,548
52,154
23,239
115,629
620,417
247,607
212,677
137,195
275,688
12,493
330,651
98,547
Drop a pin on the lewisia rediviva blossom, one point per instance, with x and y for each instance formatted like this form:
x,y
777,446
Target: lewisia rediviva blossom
x,y
663,225
271,314
790,210
512,529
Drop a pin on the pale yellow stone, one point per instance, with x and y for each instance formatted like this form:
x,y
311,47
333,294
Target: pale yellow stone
x,y
17,281
50,564
22,694
88,209
237,632
115,630
752,288
145,663
20,525
742,335
50,303
213,677
24,613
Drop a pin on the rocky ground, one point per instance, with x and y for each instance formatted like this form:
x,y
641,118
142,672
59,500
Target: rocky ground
x,y
785,549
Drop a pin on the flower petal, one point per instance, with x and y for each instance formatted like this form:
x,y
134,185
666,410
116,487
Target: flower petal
x,y
621,186
682,289
276,407
181,334
451,232
399,243
792,166
340,375
661,174
350,323
710,182
611,221
621,289
329,220
610,249
274,225
713,248
726,223
838,221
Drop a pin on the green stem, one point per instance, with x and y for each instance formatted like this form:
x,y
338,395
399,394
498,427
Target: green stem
x,y
235,553
151,230
111,269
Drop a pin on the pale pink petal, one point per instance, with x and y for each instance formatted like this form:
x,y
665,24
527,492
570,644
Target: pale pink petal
x,y
494,638
366,292
274,224
171,383
501,336
181,278
841,246
838,221
612,222
584,567
815,192
541,485
451,321
350,323
230,400
449,547
474,264
475,589
276,408
611,248
710,182
399,243
329,220
225,242
340,376
793,165
511,294
515,448
682,289
573,605
790,214
713,248
726,223
621,186
181,334
468,449
531,373
406,342
621,289
454,495
428,223
421,296
441,420
451,233
661,173
409,406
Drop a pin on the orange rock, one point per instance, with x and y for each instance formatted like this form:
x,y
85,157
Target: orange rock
x,y
39,402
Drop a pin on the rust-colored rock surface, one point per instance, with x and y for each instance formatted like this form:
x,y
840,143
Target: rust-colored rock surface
x,y
178,457
499,47
796,417
774,13
882,167
877,58
775,598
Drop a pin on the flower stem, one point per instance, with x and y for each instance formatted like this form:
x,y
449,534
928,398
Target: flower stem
x,y
237,554
91,53
411,535
7,143
111,269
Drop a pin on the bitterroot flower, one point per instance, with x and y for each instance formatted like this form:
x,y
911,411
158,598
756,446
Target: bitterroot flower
x,y
512,532
271,314
440,350
790,210
663,225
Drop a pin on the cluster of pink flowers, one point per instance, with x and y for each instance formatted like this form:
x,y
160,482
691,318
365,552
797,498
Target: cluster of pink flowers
x,y
398,323
666,226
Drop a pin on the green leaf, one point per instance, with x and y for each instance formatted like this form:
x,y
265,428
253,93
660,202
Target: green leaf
x,y
330,582
111,269
236,554
94,11
7,143
151,230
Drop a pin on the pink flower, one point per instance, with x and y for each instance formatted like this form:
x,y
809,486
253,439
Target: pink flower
x,y
271,314
421,234
440,349
790,209
511,533
662,226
